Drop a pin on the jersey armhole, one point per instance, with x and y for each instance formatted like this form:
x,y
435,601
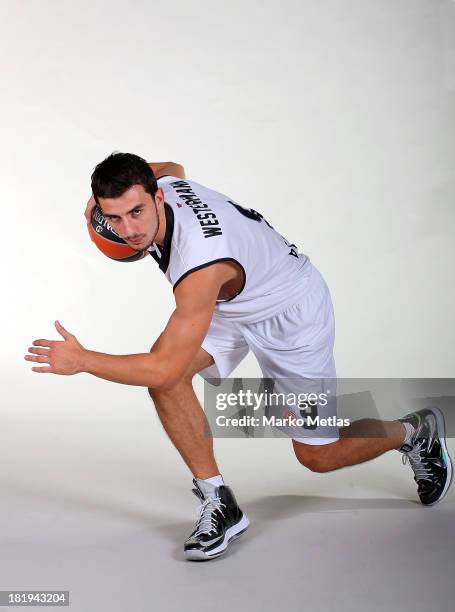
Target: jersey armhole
x,y
209,263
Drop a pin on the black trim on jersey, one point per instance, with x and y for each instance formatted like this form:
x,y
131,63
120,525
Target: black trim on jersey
x,y
154,254
165,250
209,263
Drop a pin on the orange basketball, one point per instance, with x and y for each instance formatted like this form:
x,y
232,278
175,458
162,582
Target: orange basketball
x,y
109,242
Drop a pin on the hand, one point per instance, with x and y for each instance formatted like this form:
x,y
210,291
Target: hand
x,y
88,210
62,356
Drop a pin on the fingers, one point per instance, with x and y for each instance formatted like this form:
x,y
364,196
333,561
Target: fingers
x,y
41,342
62,331
38,351
88,211
38,358
41,355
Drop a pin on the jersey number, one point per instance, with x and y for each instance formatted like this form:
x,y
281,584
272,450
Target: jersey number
x,y
250,213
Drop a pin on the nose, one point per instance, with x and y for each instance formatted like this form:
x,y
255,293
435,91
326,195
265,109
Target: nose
x,y
126,228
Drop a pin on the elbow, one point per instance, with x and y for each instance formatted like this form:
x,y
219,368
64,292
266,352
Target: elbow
x,y
165,382
179,170
162,386
168,372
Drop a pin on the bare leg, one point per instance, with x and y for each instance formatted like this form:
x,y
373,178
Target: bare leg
x,y
349,449
184,420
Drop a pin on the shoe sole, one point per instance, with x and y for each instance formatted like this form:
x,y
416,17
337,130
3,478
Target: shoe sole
x,y
441,433
231,534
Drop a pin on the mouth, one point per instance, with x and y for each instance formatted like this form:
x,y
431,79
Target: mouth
x,y
136,240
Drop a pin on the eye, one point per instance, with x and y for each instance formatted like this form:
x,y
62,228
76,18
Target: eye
x,y
137,212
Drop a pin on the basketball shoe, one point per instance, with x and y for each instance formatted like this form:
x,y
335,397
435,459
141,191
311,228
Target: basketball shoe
x,y
220,522
427,454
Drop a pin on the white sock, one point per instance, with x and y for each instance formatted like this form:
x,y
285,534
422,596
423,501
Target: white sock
x,y
410,431
217,480
209,485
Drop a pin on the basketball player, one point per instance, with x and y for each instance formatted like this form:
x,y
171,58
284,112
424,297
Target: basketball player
x,y
238,285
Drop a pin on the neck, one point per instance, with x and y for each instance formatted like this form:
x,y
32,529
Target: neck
x,y
159,238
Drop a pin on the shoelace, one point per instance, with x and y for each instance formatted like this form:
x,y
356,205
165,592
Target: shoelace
x,y
207,521
418,463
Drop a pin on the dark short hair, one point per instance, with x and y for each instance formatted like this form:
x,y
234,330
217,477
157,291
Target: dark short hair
x,y
120,171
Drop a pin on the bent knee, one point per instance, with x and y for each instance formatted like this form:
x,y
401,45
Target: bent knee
x,y
315,464
315,458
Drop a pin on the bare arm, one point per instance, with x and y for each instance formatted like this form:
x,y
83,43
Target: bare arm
x,y
170,357
167,168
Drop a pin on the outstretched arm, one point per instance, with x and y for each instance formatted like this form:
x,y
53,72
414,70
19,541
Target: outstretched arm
x,y
165,365
184,333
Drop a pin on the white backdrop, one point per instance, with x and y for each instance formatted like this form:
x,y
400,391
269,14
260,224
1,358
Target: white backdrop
x,y
335,120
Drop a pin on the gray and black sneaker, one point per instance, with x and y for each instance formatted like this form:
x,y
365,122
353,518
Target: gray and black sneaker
x,y
427,454
220,521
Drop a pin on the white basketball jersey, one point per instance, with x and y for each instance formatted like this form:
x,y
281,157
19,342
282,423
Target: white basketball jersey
x,y
205,227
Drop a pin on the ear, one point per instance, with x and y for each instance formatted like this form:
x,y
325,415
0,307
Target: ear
x,y
159,198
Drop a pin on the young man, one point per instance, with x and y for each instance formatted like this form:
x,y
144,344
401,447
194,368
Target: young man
x,y
238,285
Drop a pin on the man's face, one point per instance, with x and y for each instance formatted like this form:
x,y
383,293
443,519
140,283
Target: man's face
x,y
135,216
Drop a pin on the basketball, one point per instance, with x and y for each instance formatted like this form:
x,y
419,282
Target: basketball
x,y
108,241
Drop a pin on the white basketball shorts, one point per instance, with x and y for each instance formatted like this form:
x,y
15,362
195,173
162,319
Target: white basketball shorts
x,y
296,343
